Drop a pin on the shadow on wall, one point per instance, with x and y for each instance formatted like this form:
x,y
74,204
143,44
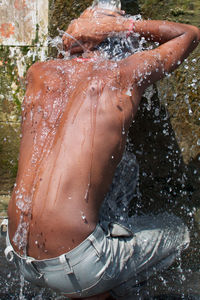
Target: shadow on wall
x,y
166,182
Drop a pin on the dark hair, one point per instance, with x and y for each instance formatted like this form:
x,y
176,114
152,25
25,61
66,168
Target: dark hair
x,y
118,48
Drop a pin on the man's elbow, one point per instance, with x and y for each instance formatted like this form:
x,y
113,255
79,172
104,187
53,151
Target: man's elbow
x,y
195,33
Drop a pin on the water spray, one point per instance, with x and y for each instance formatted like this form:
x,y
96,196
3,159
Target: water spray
x,y
108,4
77,42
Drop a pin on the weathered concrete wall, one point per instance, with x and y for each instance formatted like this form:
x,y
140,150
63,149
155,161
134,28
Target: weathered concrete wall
x,y
23,22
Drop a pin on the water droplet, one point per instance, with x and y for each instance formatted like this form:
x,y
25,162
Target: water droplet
x,y
128,93
157,112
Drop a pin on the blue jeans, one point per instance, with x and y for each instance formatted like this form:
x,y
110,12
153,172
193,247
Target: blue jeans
x,y
113,258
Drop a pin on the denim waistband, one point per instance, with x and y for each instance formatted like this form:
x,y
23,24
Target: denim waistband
x,y
74,256
92,243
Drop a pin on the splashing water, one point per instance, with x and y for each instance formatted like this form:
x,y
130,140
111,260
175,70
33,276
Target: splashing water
x,y
116,205
58,44
113,48
108,4
69,35
118,48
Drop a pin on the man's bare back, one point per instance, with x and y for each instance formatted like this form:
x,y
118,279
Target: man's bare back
x,y
76,116
65,168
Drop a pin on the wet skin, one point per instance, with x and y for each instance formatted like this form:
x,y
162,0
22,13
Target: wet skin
x,y
76,114
70,108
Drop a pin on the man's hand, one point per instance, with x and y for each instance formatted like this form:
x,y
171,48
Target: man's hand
x,y
91,28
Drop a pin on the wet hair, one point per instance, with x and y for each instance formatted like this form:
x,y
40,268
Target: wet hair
x,y
118,48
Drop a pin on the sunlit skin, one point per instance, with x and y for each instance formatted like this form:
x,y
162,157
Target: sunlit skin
x,y
76,115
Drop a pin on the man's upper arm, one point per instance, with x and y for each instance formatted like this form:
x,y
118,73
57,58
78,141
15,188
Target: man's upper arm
x,y
147,67
143,69
33,76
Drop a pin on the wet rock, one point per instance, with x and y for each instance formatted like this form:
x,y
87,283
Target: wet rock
x,y
197,217
4,199
180,93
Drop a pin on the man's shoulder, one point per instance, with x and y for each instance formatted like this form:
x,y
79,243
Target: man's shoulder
x,y
44,66
46,72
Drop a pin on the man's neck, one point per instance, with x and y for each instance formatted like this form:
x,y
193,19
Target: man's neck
x,y
89,55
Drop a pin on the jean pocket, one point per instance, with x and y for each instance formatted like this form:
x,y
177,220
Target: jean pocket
x,y
121,250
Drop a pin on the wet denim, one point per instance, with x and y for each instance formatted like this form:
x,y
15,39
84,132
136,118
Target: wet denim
x,y
113,258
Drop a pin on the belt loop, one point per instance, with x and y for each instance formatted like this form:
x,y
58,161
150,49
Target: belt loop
x,y
95,246
64,260
4,227
9,253
30,262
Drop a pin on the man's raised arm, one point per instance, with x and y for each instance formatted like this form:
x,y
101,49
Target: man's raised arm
x,y
177,41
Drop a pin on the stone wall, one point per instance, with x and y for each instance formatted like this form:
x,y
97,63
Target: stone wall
x,y
180,93
166,134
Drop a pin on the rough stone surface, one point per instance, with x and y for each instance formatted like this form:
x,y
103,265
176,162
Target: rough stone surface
x,y
180,93
167,136
14,61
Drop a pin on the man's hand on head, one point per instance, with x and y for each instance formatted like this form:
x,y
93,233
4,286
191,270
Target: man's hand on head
x,y
91,28
90,12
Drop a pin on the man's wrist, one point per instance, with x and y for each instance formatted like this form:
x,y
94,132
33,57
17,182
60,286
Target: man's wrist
x,y
131,27
127,26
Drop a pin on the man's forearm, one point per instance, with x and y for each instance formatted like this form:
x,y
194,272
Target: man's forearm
x,y
155,31
96,25
163,31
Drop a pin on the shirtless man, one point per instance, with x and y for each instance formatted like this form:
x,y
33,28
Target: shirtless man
x,y
76,115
